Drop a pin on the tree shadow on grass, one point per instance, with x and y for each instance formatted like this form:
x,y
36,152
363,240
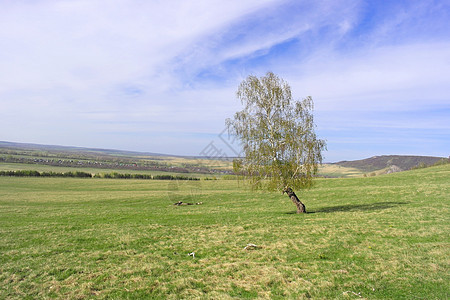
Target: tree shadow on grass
x,y
354,207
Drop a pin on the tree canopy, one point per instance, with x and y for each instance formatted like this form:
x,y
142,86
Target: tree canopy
x,y
280,146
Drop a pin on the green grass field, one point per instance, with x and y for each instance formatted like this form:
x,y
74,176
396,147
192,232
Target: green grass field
x,y
384,237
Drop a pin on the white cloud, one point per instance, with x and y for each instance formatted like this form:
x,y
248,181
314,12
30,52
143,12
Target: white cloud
x,y
77,72
91,43
260,32
404,77
71,59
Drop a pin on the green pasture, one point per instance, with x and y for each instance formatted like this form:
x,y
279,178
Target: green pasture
x,y
384,237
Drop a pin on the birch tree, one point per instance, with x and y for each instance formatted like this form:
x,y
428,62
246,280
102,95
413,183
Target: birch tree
x,y
280,146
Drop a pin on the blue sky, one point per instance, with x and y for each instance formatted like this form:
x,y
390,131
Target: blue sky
x,y
161,76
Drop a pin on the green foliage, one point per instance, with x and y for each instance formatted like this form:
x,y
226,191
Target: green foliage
x,y
30,173
171,177
280,146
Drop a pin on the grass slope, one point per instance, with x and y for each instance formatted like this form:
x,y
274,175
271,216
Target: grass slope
x,y
383,237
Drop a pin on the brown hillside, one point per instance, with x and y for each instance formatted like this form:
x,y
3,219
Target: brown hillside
x,y
404,162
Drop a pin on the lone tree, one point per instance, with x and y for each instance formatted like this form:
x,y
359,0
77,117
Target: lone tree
x,y
281,149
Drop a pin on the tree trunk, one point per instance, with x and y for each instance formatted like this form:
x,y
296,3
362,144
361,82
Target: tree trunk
x,y
300,206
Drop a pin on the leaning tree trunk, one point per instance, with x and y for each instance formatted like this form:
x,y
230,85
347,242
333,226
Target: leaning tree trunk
x,y
300,206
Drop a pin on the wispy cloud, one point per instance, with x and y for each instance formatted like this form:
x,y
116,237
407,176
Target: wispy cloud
x,y
151,74
396,77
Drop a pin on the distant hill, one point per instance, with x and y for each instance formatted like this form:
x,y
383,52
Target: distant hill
x,y
98,151
402,162
39,147
395,163
78,157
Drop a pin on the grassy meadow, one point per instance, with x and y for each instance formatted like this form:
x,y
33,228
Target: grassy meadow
x,y
384,237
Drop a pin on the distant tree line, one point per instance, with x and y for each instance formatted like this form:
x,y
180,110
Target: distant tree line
x,y
116,175
31,173
78,174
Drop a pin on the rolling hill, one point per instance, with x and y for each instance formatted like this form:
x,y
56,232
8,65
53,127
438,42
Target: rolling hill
x,y
402,162
119,159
